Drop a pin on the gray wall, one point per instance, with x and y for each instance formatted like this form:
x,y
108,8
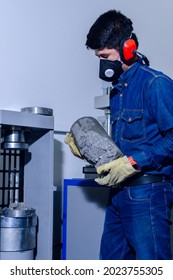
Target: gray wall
x,y
44,62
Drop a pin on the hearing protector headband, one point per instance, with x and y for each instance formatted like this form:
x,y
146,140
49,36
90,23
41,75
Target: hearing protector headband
x,y
128,52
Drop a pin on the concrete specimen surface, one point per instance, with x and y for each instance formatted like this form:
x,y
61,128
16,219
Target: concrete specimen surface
x,y
93,142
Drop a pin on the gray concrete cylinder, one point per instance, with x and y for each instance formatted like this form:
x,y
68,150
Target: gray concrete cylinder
x,y
93,142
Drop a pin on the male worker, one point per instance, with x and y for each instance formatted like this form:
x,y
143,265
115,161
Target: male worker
x,y
137,221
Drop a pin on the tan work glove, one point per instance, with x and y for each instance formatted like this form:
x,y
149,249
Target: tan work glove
x,y
118,171
69,140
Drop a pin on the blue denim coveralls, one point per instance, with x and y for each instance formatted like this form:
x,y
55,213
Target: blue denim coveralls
x,y
137,222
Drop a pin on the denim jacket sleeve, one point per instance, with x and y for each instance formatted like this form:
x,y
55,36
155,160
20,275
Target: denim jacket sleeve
x,y
160,103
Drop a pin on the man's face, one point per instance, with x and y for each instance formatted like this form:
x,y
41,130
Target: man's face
x,y
110,54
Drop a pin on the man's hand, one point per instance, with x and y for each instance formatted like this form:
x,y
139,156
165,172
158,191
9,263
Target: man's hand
x,y
69,140
118,171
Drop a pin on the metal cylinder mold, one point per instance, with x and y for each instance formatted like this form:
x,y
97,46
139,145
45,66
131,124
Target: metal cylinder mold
x,y
18,232
93,142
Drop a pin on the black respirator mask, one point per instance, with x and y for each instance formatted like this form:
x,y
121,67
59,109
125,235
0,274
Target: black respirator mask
x,y
110,70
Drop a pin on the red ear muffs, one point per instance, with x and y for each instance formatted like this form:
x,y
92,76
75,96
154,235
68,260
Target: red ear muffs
x,y
128,49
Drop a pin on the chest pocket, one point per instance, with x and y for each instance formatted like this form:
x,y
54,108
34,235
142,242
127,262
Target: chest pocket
x,y
133,125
